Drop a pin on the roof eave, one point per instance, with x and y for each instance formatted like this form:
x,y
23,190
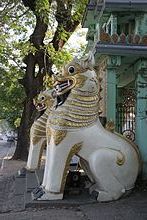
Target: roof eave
x,y
119,49
119,6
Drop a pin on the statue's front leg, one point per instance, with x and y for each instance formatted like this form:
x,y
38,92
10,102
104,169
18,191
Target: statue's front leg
x,y
56,171
58,166
35,153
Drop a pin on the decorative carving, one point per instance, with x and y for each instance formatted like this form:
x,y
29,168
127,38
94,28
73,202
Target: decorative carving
x,y
129,97
105,37
74,150
58,136
110,126
114,38
144,40
122,38
113,61
120,159
136,39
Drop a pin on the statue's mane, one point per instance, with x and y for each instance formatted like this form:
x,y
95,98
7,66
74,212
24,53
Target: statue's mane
x,y
86,62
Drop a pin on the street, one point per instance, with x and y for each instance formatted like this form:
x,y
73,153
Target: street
x,y
6,151
6,148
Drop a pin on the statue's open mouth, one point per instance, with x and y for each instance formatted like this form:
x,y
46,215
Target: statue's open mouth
x,y
62,98
40,106
62,88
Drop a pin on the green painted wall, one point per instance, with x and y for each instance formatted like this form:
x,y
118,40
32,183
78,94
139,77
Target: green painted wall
x,y
111,95
113,63
141,112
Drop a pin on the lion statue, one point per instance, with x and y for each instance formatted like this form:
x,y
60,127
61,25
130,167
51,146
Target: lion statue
x,y
43,102
111,162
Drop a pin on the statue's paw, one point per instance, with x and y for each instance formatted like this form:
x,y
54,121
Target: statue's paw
x,y
50,196
22,172
37,193
108,196
37,190
101,196
31,170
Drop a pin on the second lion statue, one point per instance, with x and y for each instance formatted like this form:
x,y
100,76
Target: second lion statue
x,y
111,162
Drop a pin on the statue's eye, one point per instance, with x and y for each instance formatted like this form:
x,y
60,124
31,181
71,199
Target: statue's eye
x,y
42,98
71,69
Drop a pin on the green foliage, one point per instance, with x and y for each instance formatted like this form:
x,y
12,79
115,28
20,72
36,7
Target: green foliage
x,y
11,95
13,31
42,10
17,122
60,57
16,25
63,34
78,9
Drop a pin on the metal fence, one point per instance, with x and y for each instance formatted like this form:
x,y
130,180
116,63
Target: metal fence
x,y
125,121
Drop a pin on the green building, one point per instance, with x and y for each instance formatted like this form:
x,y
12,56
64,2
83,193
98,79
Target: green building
x,y
117,33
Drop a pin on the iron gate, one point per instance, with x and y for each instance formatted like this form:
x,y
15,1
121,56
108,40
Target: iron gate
x,y
125,114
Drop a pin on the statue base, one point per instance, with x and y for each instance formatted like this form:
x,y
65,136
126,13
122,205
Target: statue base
x,y
75,193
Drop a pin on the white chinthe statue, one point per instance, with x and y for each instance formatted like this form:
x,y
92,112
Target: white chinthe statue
x,y
111,162
43,102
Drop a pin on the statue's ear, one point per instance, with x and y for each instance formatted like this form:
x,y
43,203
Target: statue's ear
x,y
88,61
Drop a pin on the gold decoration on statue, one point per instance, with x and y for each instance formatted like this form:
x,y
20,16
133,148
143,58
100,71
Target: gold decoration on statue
x,y
110,126
120,160
74,150
80,80
58,136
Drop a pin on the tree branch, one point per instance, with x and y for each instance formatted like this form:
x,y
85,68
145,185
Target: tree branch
x,y
64,19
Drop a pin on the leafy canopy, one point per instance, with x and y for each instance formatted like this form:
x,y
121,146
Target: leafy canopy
x,y
17,23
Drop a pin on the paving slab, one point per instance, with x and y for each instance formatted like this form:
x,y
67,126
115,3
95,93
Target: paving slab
x,y
133,207
49,214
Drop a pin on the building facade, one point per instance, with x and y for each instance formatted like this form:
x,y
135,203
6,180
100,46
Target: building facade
x,y
117,33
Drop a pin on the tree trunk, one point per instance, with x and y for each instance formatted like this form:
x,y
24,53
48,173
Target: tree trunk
x,y
33,84
23,132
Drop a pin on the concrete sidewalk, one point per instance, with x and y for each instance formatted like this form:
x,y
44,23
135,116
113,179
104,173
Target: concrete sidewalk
x,y
133,207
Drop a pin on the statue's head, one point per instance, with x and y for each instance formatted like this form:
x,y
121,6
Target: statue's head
x,y
44,100
77,75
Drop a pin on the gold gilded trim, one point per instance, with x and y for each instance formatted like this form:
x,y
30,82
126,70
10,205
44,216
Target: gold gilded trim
x,y
58,136
85,98
74,150
48,133
80,104
41,152
110,126
134,146
80,80
70,124
120,159
75,117
81,111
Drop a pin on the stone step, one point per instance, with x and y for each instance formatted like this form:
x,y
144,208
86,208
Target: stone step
x,y
19,193
20,185
73,196
31,181
68,201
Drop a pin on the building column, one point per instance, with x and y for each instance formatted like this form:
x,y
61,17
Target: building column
x,y
141,112
112,64
113,24
141,21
